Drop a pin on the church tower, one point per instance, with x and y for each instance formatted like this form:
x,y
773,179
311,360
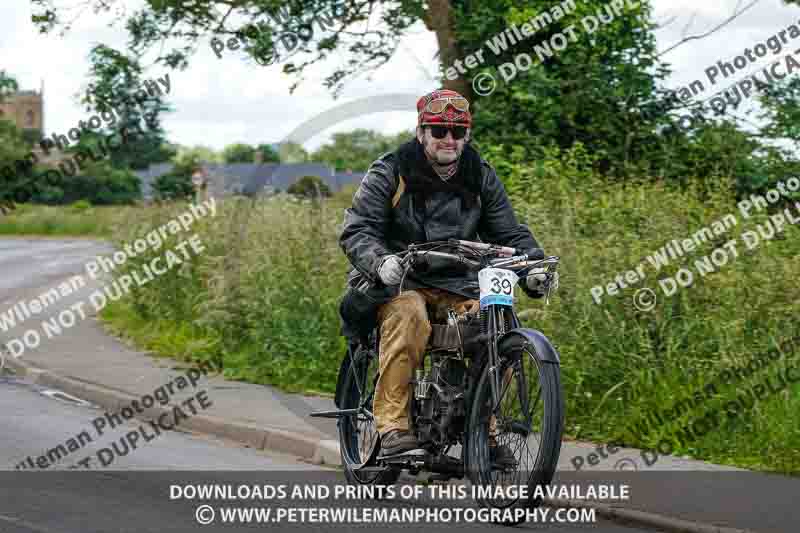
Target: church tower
x,y
26,110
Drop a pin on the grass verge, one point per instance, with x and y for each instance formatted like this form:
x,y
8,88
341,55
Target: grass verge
x,y
77,220
262,303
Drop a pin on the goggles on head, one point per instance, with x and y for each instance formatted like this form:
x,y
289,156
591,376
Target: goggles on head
x,y
438,105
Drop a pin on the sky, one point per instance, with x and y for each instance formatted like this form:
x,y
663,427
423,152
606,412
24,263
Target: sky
x,y
219,101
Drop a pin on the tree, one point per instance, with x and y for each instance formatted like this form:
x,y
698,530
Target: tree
x,y
116,80
293,153
17,181
100,183
781,109
310,31
8,84
356,150
178,183
595,89
173,186
309,187
196,155
268,154
239,153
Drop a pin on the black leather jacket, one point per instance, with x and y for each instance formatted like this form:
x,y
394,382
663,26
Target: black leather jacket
x,y
385,219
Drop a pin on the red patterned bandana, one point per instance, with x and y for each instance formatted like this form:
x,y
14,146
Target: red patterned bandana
x,y
449,117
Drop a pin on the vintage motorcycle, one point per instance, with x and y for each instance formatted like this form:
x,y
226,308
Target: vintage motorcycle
x,y
485,380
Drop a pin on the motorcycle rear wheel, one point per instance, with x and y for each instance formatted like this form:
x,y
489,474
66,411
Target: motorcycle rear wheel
x,y
359,441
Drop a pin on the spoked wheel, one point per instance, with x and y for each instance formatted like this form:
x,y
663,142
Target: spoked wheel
x,y
358,435
528,420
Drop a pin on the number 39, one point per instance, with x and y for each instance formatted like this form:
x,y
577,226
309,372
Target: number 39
x,y
503,286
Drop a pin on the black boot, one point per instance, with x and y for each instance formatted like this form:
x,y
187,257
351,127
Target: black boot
x,y
398,441
501,455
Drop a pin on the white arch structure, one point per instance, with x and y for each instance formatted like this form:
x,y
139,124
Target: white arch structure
x,y
356,108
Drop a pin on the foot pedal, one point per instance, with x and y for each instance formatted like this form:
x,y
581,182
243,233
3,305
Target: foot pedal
x,y
372,469
411,454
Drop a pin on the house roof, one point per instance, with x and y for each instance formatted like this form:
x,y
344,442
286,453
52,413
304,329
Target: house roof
x,y
251,178
347,178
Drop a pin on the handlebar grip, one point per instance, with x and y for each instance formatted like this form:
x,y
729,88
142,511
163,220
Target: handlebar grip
x,y
535,254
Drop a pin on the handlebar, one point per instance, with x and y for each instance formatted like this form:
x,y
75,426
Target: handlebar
x,y
510,258
503,257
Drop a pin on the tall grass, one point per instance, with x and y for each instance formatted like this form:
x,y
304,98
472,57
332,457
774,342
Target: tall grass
x,y
262,300
620,363
79,219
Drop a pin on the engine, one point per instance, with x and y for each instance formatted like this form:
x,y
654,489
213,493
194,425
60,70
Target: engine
x,y
438,403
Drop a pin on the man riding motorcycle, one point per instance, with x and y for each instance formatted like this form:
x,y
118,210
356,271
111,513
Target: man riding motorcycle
x,y
434,187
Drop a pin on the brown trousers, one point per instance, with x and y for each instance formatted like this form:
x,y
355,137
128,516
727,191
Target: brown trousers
x,y
405,329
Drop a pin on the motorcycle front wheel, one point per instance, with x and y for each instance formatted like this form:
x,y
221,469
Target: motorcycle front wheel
x,y
528,421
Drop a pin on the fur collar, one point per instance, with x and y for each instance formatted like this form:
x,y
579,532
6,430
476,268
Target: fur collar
x,y
420,177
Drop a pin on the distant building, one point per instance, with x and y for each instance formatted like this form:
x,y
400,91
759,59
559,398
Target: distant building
x,y
25,109
250,179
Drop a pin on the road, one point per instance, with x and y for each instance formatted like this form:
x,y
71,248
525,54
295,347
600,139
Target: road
x,y
132,493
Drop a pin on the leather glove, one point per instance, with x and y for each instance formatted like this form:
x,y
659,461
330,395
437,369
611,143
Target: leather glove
x,y
390,270
536,281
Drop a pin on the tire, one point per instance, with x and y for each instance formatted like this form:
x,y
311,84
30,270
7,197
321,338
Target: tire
x,y
359,442
546,428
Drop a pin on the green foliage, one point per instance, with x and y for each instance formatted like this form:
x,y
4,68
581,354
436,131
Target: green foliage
x,y
358,149
622,363
81,205
115,79
103,184
178,184
173,186
267,304
268,154
8,84
717,150
193,155
99,183
596,167
603,90
291,152
79,219
17,181
309,187
32,136
239,153
260,301
593,92
14,186
335,27
781,104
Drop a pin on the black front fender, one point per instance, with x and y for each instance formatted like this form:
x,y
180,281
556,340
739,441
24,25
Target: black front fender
x,y
541,345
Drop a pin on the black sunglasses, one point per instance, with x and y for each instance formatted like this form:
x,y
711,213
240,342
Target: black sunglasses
x,y
440,132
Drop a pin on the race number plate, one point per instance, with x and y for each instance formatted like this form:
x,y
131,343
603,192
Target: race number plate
x,y
497,286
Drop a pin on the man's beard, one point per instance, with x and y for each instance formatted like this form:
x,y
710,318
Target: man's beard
x,y
443,157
